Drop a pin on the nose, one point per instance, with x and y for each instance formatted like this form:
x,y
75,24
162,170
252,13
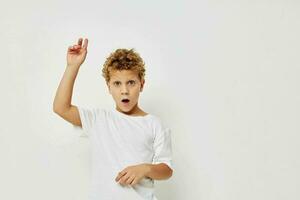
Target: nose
x,y
124,90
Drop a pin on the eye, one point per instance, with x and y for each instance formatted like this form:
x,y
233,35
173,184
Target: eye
x,y
131,82
116,83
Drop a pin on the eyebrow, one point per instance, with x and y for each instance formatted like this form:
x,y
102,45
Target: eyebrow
x,y
127,81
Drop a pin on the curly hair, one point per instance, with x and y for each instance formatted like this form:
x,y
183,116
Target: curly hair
x,y
123,59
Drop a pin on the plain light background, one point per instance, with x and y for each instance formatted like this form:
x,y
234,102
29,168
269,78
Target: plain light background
x,y
224,76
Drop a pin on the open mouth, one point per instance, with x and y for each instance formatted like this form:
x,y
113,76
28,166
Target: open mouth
x,y
125,100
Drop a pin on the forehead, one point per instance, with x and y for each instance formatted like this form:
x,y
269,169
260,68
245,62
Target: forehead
x,y
123,74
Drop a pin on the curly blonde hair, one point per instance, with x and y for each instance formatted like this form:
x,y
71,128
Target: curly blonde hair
x,y
123,59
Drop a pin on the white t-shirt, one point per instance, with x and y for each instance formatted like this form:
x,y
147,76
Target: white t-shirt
x,y
118,141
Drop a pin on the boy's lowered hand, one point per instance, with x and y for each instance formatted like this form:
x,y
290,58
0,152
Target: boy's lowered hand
x,y
133,174
77,53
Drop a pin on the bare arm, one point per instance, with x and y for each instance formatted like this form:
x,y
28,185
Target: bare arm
x,y
159,171
63,98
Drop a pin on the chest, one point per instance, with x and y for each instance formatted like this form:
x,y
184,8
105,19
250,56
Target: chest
x,y
125,135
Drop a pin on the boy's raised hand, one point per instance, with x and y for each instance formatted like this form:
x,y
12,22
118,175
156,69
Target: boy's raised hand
x,y
77,53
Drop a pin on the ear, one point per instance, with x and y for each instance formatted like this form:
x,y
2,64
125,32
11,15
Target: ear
x,y
142,85
108,87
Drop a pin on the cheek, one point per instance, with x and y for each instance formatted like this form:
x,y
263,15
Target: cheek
x,y
136,93
114,94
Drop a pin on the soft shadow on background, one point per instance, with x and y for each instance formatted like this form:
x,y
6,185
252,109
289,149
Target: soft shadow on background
x,y
223,76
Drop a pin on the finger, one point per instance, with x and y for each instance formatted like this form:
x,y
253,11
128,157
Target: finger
x,y
130,180
75,46
123,180
71,48
120,175
117,178
134,182
85,44
80,41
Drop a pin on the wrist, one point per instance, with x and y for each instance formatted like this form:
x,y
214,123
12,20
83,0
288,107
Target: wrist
x,y
73,66
148,169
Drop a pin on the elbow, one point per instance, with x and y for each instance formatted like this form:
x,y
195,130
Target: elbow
x,y
55,109
170,173
60,109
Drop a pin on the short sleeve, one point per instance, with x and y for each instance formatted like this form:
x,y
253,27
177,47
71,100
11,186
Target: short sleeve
x,y
88,118
163,147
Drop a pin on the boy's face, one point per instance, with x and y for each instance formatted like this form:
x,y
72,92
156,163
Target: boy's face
x,y
125,84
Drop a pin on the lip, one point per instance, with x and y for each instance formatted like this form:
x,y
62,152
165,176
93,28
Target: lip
x,y
125,103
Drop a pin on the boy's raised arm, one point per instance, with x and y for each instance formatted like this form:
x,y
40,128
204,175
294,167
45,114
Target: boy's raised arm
x,y
62,103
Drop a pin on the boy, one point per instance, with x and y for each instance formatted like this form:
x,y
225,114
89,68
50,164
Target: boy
x,y
130,148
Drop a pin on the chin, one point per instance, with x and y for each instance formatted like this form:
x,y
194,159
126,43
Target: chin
x,y
126,109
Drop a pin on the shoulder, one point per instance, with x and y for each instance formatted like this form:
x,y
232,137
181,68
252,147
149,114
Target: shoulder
x,y
92,112
103,112
157,122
